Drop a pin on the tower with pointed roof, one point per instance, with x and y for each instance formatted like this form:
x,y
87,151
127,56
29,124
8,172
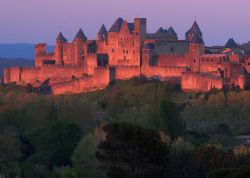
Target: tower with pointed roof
x,y
60,40
194,34
79,41
102,40
196,46
231,44
102,35
80,36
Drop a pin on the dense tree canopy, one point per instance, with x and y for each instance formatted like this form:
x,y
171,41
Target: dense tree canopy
x,y
54,136
132,152
54,145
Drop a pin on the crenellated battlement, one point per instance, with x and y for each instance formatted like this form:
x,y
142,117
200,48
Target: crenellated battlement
x,y
40,45
197,81
44,55
202,75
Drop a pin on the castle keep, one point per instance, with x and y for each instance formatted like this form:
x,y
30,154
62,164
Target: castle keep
x,y
126,51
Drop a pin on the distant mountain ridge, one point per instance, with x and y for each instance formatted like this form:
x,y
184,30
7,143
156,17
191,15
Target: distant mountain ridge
x,y
19,50
5,62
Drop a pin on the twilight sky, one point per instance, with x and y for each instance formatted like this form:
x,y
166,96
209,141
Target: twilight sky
x,y
34,21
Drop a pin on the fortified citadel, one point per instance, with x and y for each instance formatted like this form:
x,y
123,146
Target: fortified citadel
x,y
126,51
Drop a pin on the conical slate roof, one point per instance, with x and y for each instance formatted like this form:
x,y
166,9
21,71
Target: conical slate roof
x,y
116,27
171,31
131,27
195,29
231,44
160,30
61,38
103,30
195,33
103,34
80,35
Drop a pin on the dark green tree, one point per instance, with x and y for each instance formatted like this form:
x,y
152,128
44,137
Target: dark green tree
x,y
208,158
53,113
54,144
242,172
132,152
85,164
171,121
10,153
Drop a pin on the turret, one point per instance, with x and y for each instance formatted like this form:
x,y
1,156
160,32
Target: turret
x,y
80,36
140,28
196,46
60,40
40,49
231,44
194,34
79,40
102,34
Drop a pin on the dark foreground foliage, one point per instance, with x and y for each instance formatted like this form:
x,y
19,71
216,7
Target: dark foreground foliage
x,y
152,129
132,152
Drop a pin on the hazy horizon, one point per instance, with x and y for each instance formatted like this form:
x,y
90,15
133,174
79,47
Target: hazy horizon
x,y
32,21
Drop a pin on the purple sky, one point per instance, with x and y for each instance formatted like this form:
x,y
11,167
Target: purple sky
x,y
34,21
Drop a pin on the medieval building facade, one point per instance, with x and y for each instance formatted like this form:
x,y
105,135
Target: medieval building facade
x,y
126,51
